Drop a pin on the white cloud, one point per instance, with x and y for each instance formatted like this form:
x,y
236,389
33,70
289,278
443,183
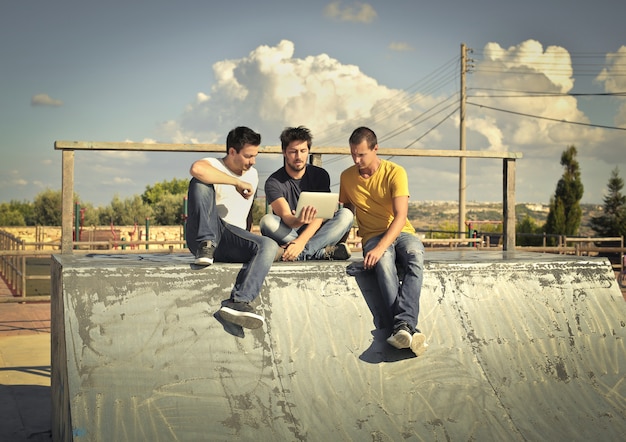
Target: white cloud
x,y
614,81
356,12
610,76
122,180
102,157
270,88
520,70
400,46
45,100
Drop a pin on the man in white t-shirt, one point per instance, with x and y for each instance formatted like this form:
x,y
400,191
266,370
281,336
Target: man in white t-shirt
x,y
220,199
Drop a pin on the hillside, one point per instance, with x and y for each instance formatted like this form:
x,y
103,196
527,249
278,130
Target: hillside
x,y
443,215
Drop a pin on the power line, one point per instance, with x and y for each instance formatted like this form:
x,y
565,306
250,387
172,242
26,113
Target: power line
x,y
547,118
531,94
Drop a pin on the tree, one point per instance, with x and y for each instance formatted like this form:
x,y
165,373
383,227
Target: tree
x,y
124,212
565,213
166,200
528,232
154,194
9,216
47,208
613,221
168,210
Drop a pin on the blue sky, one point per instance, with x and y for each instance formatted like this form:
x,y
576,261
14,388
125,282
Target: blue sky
x,y
190,70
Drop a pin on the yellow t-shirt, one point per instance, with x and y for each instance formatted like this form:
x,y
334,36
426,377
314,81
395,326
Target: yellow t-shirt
x,y
372,197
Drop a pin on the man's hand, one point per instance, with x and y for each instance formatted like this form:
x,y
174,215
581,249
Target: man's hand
x,y
307,214
371,259
293,250
244,189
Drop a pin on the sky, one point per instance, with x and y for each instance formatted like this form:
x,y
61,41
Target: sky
x,y
543,75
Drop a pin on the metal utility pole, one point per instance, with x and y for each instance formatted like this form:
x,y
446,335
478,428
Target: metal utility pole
x,y
462,160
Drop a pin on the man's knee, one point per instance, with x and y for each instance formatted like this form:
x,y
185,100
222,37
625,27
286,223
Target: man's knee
x,y
200,192
345,216
269,223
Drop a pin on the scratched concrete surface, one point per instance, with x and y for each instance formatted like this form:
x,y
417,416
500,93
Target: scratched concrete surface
x,y
522,347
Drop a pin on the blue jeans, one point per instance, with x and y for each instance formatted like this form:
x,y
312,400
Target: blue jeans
x,y
232,244
331,232
406,254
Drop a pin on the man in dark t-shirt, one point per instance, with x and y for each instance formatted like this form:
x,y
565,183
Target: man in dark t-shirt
x,y
305,236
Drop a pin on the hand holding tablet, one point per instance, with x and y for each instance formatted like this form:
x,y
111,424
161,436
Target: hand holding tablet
x,y
324,202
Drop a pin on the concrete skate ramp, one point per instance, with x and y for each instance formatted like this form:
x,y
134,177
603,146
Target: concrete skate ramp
x,y
522,347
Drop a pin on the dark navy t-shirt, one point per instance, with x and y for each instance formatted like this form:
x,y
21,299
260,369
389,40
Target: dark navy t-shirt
x,y
315,179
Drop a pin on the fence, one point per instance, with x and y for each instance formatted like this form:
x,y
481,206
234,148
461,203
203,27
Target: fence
x,y
69,147
15,252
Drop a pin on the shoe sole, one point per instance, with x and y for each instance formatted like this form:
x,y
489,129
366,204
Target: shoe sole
x,y
400,340
243,319
203,261
418,344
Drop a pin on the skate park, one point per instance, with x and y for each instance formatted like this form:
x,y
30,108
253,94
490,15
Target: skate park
x,y
522,346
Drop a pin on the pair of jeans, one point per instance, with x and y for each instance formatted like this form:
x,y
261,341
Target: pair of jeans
x,y
232,244
405,256
329,234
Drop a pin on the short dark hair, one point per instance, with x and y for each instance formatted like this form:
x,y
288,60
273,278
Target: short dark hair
x,y
240,136
299,133
363,133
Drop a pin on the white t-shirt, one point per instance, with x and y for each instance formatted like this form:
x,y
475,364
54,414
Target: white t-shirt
x,y
231,206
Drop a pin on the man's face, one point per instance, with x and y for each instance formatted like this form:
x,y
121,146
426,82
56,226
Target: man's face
x,y
362,155
245,158
296,155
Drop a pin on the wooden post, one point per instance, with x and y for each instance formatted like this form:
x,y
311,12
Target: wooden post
x,y
508,205
315,159
67,196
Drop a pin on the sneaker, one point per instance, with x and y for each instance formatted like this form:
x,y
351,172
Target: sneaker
x,y
418,343
204,254
240,313
401,336
340,252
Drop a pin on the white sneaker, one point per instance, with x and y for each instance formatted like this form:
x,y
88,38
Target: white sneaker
x,y
401,338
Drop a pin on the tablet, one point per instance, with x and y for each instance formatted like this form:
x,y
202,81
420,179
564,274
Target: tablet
x,y
324,202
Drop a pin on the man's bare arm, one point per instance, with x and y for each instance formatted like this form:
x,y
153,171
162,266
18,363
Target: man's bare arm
x,y
204,171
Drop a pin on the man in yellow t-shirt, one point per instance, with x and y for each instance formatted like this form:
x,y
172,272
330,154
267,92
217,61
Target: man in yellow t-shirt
x,y
377,191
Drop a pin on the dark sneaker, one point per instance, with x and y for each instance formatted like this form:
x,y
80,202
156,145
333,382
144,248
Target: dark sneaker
x,y
241,313
418,344
401,336
340,252
204,254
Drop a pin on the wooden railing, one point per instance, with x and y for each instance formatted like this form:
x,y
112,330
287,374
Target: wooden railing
x,y
15,251
69,147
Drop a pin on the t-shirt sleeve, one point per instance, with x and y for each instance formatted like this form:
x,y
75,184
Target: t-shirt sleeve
x,y
399,182
273,190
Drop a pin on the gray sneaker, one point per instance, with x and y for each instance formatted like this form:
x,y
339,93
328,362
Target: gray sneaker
x,y
340,252
204,254
418,343
240,313
401,336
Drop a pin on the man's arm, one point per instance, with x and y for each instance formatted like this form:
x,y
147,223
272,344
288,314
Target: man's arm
x,y
204,171
400,214
281,208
